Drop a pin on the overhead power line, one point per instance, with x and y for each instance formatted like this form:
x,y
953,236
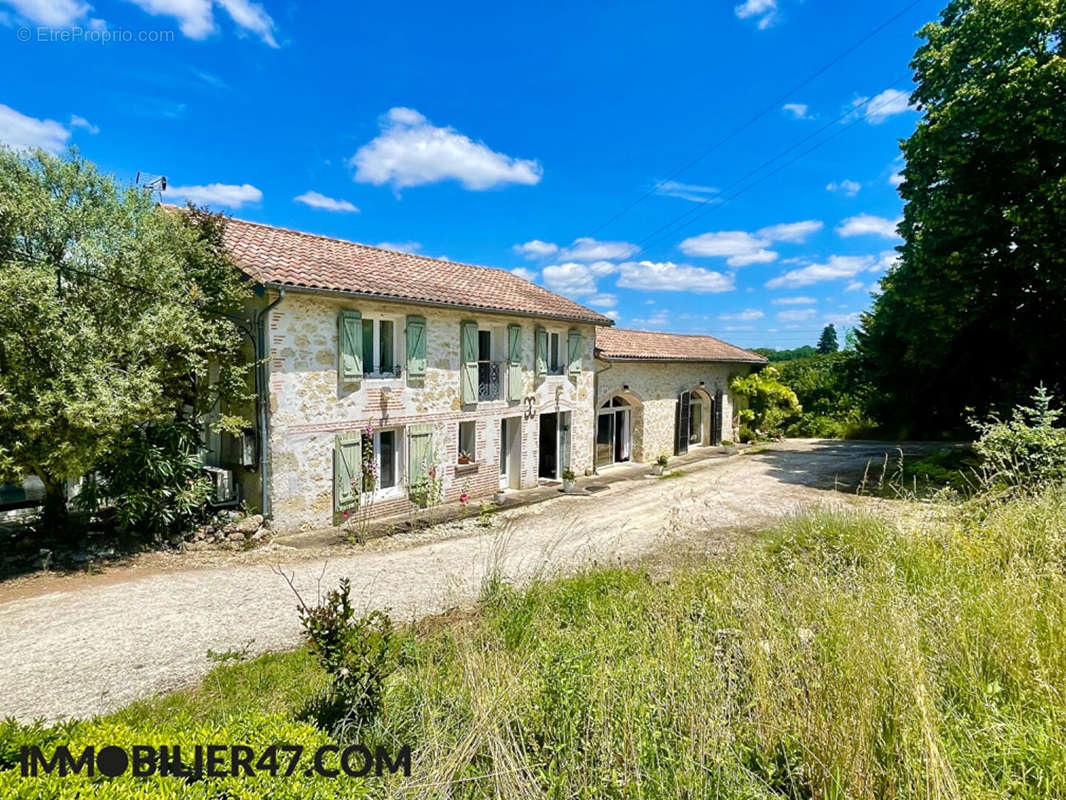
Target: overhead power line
x,y
775,105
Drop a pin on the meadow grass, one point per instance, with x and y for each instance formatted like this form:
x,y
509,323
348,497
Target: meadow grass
x,y
844,656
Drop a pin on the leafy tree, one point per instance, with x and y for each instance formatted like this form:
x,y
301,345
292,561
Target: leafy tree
x,y
115,314
786,355
972,314
828,342
771,404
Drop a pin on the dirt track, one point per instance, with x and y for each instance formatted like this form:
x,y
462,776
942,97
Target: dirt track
x,y
96,646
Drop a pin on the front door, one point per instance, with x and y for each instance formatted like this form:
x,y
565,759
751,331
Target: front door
x,y
549,446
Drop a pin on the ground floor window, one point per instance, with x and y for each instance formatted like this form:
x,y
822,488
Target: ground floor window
x,y
613,432
467,442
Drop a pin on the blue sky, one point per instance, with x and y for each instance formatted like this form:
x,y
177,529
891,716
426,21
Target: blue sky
x,y
590,146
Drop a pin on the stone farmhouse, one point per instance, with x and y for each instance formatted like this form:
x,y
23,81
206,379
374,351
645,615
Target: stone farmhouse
x,y
390,375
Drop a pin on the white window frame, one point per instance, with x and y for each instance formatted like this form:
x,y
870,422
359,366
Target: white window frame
x,y
398,347
558,368
459,441
396,490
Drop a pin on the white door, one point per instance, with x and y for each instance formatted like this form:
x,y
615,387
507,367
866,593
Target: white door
x,y
564,442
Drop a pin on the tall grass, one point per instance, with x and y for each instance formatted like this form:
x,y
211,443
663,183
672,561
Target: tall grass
x,y
846,658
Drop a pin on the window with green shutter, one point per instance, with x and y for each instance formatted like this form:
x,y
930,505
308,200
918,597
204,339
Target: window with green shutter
x,y
573,341
350,346
468,352
347,470
540,365
514,362
416,347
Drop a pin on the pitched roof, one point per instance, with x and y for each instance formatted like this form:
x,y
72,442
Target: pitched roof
x,y
283,257
618,343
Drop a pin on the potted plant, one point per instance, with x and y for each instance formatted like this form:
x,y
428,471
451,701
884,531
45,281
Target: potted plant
x,y
569,480
464,457
500,497
660,464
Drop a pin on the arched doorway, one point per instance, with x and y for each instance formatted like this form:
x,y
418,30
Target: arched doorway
x,y
614,432
701,415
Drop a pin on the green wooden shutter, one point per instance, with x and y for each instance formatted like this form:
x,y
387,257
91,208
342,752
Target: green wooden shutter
x,y
514,359
573,341
540,366
350,346
468,362
416,347
347,467
419,453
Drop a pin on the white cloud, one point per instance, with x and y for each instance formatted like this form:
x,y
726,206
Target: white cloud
x,y
796,315
670,277
27,133
792,231
748,315
797,110
571,279
688,191
400,247
317,200
603,300
535,248
885,261
589,249
739,248
196,18
855,286
765,10
657,320
217,194
526,274
59,13
847,187
794,301
844,320
887,104
81,122
868,225
410,151
896,179
834,268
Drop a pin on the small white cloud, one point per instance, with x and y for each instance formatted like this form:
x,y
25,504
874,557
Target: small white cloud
x,y
796,315
794,301
792,231
748,315
739,248
614,314
410,151
400,247
251,17
844,320
764,10
834,268
885,261
670,277
589,249
688,191
196,18
571,279
218,194
887,104
536,249
659,319
855,286
603,300
81,122
60,13
525,274
20,132
868,225
797,110
896,179
847,187
317,200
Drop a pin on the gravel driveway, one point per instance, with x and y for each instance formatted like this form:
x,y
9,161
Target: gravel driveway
x,y
94,648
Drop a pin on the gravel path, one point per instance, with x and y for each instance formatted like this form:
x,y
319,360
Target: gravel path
x,y
94,648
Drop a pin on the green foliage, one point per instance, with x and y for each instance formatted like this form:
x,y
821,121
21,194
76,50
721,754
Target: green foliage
x,y
971,317
828,342
834,394
1026,452
114,314
772,406
358,653
786,355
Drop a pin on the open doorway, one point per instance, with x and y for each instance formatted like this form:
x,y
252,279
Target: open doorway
x,y
554,454
511,453
614,421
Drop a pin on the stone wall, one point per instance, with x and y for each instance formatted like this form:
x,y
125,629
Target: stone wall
x,y
653,391
309,406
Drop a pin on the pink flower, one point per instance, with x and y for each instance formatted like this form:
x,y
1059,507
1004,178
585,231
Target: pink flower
x,y
346,515
463,498
433,472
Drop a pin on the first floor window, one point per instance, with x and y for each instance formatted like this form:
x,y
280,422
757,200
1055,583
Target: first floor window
x,y
379,348
554,366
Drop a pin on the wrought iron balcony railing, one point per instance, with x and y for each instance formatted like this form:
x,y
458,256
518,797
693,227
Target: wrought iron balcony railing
x,y
489,381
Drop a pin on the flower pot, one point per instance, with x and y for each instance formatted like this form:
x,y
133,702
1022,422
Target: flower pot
x,y
656,469
569,485
500,498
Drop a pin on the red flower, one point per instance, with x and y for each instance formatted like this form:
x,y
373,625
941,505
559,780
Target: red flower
x,y
463,498
346,515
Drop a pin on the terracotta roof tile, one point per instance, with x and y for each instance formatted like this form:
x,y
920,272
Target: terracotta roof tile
x,y
280,256
618,343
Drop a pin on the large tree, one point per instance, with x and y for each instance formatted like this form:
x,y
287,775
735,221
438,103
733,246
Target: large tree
x,y
828,342
115,314
973,313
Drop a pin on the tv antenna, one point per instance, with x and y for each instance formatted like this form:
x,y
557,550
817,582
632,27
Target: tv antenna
x,y
153,183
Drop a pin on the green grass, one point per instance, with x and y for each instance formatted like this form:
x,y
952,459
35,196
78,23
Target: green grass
x,y
844,657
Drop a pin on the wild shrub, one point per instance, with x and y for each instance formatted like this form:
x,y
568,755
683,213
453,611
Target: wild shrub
x,y
1028,451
